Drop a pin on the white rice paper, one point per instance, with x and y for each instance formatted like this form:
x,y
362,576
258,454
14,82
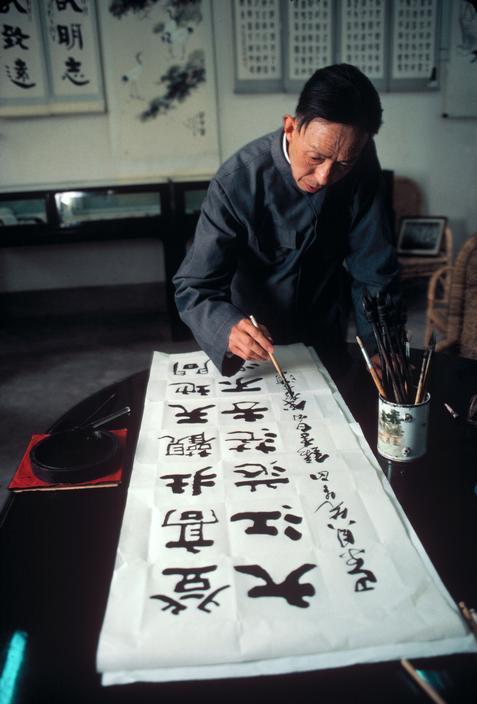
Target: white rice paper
x,y
323,570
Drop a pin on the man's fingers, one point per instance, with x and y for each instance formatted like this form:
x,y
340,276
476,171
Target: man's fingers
x,y
260,334
249,342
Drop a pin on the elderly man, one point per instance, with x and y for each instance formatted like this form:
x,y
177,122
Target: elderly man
x,y
280,219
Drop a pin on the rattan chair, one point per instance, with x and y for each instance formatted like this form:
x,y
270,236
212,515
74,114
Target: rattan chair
x,y
452,303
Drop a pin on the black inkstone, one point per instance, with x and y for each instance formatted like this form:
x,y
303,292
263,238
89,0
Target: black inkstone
x,y
75,456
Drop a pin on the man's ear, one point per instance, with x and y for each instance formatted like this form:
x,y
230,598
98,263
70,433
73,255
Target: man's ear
x,y
289,124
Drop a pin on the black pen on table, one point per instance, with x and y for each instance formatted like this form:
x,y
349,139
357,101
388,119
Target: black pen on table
x,y
273,359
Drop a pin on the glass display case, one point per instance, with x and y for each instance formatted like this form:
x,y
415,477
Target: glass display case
x,y
165,211
84,214
76,207
22,211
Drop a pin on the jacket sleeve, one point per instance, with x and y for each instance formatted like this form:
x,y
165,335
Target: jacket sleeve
x,y
371,258
203,280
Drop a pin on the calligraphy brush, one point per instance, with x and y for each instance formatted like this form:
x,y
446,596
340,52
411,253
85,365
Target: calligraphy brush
x,y
370,315
424,375
371,369
392,326
273,359
392,370
400,337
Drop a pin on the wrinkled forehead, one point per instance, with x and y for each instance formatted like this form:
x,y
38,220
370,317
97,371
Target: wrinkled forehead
x,y
336,139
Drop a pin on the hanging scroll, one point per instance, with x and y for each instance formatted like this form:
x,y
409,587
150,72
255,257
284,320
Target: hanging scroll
x,y
394,43
310,44
23,81
363,37
258,44
72,45
50,58
459,97
414,42
259,535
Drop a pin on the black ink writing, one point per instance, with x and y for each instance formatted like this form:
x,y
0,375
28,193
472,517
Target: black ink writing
x,y
195,415
191,524
179,482
290,589
195,445
191,585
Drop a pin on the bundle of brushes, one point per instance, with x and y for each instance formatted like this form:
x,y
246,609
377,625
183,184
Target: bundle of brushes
x,y
398,383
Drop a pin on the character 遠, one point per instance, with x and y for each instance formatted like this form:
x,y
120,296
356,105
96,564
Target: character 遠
x,y
191,585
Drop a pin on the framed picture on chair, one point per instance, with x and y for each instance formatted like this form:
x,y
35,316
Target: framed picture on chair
x,y
420,235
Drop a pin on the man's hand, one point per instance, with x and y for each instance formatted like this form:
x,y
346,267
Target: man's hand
x,y
249,342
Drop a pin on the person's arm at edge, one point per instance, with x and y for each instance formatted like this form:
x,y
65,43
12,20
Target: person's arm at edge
x,y
203,288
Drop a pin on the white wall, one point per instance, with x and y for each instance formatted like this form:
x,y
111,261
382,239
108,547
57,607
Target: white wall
x,y
415,141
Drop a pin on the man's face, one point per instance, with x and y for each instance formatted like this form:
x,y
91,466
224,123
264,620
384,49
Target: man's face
x,y
323,152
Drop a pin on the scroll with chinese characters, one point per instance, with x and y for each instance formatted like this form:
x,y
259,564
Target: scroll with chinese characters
x,y
260,536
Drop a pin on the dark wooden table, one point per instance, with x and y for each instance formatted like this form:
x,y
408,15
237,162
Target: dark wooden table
x,y
57,552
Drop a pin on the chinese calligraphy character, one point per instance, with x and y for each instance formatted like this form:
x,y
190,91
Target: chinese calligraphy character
x,y
13,36
188,387
70,35
189,445
249,411
250,477
260,521
195,415
5,7
21,77
290,589
345,537
191,524
246,440
63,5
357,564
179,482
241,384
335,511
323,475
179,369
73,72
313,454
191,585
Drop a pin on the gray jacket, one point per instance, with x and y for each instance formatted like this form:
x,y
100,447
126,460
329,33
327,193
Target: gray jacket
x,y
264,247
